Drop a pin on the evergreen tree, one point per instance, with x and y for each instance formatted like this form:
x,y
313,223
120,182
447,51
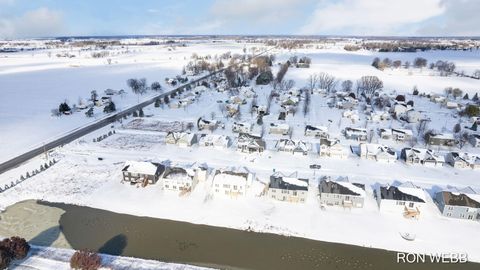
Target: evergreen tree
x,y
466,96
89,113
166,100
140,113
135,114
475,97
157,103
109,108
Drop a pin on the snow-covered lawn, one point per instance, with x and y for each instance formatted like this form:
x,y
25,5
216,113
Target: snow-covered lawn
x,y
80,177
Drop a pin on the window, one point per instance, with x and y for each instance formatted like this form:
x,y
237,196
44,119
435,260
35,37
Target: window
x,y
273,190
410,205
235,187
347,198
226,186
294,193
166,186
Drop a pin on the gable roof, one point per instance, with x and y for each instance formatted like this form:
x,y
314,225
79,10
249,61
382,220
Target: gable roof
x,y
341,186
404,192
288,182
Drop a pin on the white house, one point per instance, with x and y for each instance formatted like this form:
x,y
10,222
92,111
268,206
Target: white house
x,y
422,156
357,134
377,152
282,129
183,178
250,144
287,188
396,134
341,192
332,148
294,147
316,131
207,124
405,198
214,140
232,182
182,139
242,127
463,160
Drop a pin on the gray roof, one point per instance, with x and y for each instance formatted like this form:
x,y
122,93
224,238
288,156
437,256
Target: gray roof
x,y
393,193
326,186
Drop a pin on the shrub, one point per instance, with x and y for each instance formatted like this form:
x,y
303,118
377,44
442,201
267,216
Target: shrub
x,y
472,110
264,78
5,257
85,260
17,246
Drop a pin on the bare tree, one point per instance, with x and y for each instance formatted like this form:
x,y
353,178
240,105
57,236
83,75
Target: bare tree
x,y
326,81
312,82
368,85
347,85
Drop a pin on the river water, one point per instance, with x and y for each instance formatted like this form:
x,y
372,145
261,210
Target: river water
x,y
70,226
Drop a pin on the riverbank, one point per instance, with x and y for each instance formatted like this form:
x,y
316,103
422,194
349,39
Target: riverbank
x,y
201,245
48,258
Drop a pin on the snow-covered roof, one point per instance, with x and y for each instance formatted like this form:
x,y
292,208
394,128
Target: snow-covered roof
x,y
140,167
409,188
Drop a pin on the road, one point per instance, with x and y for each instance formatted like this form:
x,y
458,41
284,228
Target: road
x,y
73,135
77,133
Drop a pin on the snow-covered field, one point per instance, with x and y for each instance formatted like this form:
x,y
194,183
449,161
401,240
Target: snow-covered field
x,y
81,178
32,84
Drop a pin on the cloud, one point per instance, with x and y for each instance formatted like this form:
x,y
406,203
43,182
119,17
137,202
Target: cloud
x,y
461,18
40,22
370,17
253,12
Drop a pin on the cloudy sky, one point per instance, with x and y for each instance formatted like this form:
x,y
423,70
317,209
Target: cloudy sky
x,y
45,18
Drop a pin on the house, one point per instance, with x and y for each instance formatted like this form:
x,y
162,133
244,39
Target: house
x,y
247,92
445,139
451,105
396,134
250,144
242,127
377,152
463,160
232,109
412,117
378,116
237,100
316,131
183,178
281,129
232,182
332,148
463,204
357,134
294,147
182,139
214,140
400,108
290,101
287,188
352,115
206,124
405,198
422,156
142,172
474,140
259,109
341,192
